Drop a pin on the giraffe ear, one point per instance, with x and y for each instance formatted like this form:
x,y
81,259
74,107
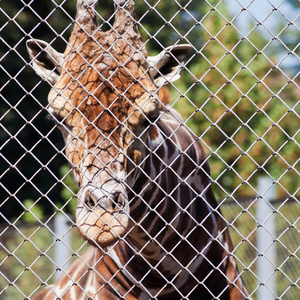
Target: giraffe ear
x,y
45,60
165,67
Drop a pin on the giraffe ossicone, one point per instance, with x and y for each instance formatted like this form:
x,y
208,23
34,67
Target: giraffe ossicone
x,y
145,201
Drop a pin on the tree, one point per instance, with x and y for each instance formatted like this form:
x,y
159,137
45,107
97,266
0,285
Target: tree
x,y
234,97
243,108
31,148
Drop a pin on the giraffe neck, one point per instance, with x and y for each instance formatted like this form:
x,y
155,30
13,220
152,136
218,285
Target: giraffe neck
x,y
169,210
175,249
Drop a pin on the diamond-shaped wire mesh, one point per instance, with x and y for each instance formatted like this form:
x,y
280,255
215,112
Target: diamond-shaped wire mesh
x,y
238,92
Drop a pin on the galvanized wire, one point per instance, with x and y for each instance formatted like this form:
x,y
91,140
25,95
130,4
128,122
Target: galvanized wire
x,y
20,276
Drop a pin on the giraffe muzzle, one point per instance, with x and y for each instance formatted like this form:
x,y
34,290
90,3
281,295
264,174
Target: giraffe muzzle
x,y
114,202
102,216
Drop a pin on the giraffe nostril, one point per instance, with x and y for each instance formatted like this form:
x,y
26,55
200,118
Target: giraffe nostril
x,y
89,202
110,202
116,200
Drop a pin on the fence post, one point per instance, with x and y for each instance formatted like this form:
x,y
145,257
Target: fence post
x,y
265,239
62,244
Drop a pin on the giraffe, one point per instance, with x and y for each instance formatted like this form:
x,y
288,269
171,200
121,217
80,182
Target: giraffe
x,y
145,202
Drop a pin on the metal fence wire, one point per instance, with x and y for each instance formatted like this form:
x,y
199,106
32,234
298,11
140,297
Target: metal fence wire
x,y
238,91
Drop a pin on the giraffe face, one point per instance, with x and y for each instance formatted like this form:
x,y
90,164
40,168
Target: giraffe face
x,y
103,110
103,105
103,95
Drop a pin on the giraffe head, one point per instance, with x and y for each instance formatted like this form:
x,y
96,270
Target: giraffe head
x,y
104,93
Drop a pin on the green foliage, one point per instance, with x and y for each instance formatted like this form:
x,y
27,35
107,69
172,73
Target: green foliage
x,y
34,211
28,263
243,233
231,95
70,188
29,163
164,23
241,107
235,100
26,256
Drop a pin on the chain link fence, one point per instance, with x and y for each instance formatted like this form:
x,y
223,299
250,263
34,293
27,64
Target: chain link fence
x,y
238,91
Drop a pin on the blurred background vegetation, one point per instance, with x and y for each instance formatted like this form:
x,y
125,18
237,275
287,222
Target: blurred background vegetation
x,y
233,94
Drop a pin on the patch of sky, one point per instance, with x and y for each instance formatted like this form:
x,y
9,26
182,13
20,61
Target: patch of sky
x,y
277,21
